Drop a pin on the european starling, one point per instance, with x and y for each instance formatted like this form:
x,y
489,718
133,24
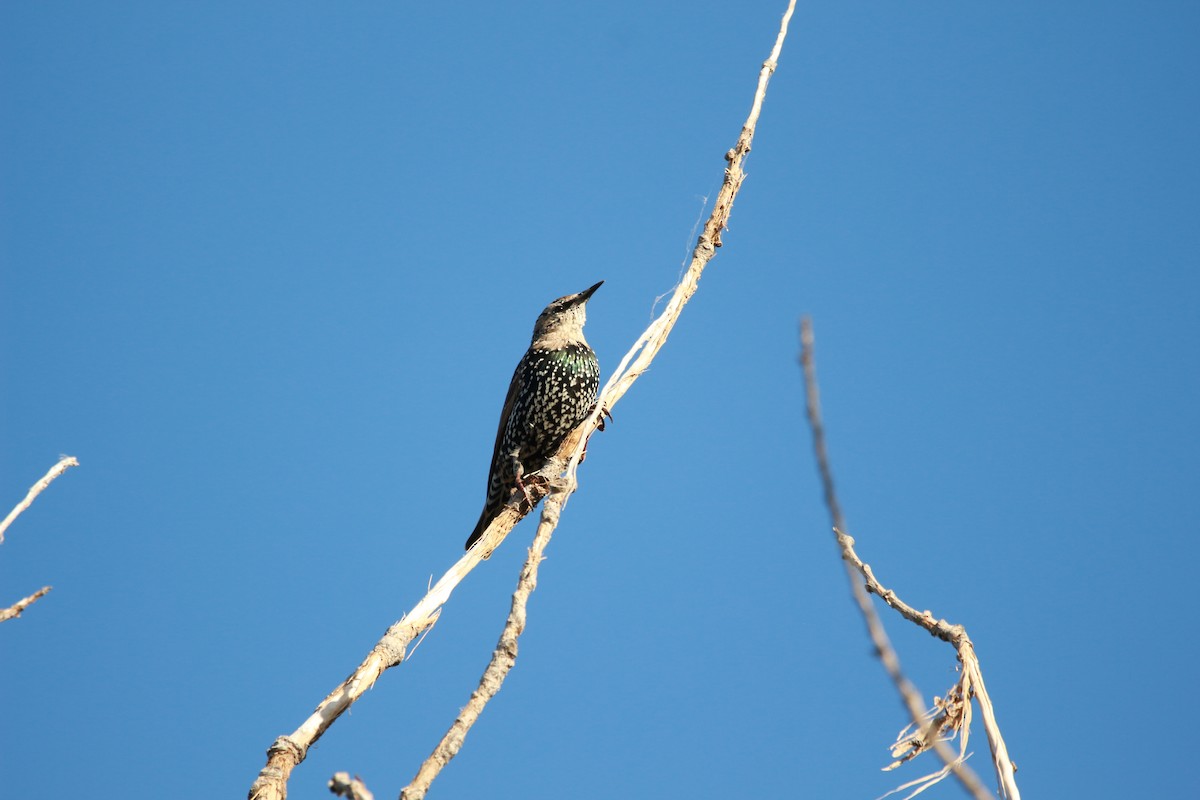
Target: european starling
x,y
553,390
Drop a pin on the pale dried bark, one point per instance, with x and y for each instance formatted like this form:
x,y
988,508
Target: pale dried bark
x,y
64,463
14,611
58,469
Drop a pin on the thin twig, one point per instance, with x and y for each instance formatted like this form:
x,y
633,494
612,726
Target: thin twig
x,y
929,731
64,463
14,611
972,673
58,469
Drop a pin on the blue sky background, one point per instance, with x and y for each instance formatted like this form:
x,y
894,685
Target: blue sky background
x,y
265,269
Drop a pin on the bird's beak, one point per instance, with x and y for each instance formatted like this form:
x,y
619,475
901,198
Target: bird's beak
x,y
586,293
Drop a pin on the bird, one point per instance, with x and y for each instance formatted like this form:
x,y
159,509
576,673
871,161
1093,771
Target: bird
x,y
553,390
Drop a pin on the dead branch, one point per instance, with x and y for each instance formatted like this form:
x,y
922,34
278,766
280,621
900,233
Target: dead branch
x,y
64,463
504,657
14,611
290,750
644,350
951,715
58,469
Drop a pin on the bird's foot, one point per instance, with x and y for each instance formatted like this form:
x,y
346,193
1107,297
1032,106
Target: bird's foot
x,y
604,412
521,479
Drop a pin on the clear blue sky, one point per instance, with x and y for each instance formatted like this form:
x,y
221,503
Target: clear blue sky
x,y
265,269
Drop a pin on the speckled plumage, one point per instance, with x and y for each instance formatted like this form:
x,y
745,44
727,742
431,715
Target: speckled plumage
x,y
552,390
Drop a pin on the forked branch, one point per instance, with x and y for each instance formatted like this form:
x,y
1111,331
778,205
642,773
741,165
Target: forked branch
x,y
951,715
64,463
290,750
630,368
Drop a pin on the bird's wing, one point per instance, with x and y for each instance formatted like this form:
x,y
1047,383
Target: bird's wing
x,y
506,411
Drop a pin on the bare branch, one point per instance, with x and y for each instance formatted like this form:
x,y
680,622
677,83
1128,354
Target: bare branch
x,y
504,657
290,750
644,350
655,336
35,490
14,611
951,715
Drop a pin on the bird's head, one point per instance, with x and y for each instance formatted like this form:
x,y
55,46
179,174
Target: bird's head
x,y
563,319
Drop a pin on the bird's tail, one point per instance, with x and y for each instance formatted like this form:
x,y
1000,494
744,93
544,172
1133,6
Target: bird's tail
x,y
497,495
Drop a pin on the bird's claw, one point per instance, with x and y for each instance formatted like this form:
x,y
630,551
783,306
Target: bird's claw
x,y
518,474
604,412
